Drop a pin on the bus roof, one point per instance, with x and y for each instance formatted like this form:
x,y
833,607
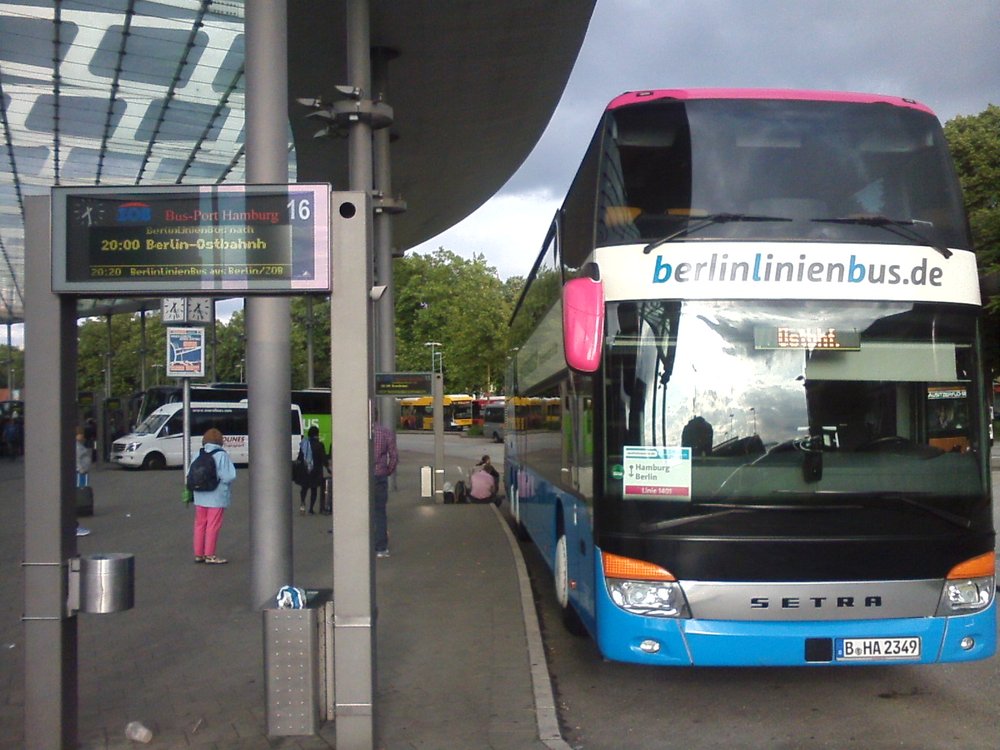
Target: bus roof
x,y
633,97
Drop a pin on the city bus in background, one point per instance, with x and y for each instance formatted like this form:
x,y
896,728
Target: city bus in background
x,y
314,403
759,315
479,406
417,412
494,418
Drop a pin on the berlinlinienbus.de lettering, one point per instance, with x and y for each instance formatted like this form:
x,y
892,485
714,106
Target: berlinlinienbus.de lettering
x,y
718,268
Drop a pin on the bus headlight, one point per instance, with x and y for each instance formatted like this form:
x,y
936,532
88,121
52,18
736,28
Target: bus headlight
x,y
643,588
970,595
649,598
132,447
969,586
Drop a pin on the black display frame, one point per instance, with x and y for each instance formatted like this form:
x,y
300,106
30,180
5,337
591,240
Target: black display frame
x,y
210,240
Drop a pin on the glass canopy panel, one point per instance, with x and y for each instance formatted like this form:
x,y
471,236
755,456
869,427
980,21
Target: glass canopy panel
x,y
154,95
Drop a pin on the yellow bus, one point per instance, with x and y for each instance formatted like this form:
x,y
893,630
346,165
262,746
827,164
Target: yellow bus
x,y
417,412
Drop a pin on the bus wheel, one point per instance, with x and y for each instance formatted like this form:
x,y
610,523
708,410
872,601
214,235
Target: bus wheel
x,y
154,461
571,620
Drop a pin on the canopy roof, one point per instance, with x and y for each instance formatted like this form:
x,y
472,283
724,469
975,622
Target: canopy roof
x,y
148,93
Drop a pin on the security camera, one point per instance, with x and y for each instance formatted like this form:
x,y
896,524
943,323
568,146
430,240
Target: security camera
x,y
377,292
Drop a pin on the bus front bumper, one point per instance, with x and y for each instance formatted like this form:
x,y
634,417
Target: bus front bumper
x,y
626,637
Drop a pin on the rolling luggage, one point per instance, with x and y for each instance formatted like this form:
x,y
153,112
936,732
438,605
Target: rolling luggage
x,y
84,501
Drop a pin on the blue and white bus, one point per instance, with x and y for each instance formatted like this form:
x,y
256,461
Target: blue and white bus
x,y
759,314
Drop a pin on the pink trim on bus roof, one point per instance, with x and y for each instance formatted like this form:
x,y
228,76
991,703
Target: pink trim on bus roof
x,y
632,97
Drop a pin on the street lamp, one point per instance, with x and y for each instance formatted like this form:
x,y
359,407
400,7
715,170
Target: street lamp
x,y
432,345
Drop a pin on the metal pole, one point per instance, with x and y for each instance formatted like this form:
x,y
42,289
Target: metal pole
x,y
385,307
215,342
50,634
310,370
351,369
438,388
107,362
142,353
186,447
268,319
10,366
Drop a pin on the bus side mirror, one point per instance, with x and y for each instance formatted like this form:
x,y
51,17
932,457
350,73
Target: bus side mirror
x,y
583,323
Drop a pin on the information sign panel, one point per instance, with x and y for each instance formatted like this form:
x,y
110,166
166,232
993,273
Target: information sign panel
x,y
224,239
654,472
402,384
185,352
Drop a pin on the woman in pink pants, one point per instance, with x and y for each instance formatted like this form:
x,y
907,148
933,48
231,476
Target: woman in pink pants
x,y
210,506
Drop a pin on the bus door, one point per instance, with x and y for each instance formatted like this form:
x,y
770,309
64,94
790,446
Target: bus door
x,y
576,424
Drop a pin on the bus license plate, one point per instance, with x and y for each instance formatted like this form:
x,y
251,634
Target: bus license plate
x,y
875,649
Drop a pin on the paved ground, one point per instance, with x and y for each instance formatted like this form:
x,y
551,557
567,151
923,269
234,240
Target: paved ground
x,y
459,664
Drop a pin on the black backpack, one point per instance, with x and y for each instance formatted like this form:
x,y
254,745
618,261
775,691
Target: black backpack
x,y
203,476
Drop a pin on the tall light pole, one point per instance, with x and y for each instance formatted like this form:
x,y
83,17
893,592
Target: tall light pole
x,y
437,391
432,345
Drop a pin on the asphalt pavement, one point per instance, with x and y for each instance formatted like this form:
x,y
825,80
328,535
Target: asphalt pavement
x,y
460,662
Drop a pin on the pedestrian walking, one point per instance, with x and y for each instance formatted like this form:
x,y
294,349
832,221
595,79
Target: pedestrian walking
x,y
210,504
314,459
386,459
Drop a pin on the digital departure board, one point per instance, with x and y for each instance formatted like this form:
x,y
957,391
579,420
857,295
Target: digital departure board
x,y
225,239
403,383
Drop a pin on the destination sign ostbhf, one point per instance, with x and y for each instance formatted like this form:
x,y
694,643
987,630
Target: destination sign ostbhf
x,y
225,238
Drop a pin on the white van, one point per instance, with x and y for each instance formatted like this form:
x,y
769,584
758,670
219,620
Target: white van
x,y
158,440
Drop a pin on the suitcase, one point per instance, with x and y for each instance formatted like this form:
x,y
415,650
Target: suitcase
x,y
84,501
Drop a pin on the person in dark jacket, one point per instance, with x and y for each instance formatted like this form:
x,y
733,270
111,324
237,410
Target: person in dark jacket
x,y
313,455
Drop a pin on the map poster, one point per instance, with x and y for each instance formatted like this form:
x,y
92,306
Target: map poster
x,y
185,352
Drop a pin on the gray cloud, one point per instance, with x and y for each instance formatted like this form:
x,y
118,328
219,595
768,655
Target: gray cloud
x,y
944,54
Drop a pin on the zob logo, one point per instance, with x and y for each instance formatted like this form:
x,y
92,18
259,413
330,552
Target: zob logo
x,y
134,212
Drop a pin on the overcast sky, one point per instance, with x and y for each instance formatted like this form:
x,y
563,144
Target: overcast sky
x,y
944,53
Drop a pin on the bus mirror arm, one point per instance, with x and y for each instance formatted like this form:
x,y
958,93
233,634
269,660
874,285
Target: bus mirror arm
x,y
583,323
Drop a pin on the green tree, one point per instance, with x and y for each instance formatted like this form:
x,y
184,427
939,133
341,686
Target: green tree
x,y
320,322
120,350
230,349
974,141
463,305
12,362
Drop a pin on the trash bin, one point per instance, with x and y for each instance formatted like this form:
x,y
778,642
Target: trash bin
x,y
107,582
299,685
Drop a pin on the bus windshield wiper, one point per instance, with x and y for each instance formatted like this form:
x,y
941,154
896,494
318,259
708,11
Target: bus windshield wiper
x,y
673,522
901,227
707,221
727,509
877,498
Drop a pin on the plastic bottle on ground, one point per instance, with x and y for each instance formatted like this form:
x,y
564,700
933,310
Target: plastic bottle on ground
x,y
135,730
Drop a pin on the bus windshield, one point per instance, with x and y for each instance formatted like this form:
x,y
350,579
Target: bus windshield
x,y
777,169
789,403
151,424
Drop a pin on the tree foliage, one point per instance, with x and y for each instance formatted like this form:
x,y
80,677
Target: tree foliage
x,y
974,141
462,304
12,362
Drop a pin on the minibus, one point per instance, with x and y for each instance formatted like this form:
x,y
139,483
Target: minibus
x,y
158,440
